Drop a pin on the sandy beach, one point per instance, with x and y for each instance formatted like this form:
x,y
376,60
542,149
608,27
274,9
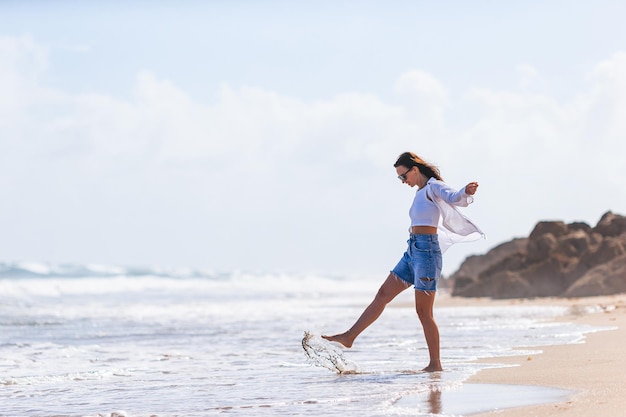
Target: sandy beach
x,y
595,369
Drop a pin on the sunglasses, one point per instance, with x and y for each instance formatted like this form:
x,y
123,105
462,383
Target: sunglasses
x,y
403,176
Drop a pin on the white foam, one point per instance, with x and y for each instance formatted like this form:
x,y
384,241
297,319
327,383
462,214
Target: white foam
x,y
61,378
167,345
322,353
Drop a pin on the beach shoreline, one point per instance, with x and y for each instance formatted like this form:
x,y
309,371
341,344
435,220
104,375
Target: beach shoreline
x,y
593,369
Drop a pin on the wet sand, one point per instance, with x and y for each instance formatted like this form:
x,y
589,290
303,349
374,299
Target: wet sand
x,y
594,370
470,399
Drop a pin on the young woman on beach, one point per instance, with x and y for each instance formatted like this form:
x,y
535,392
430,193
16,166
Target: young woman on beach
x,y
420,265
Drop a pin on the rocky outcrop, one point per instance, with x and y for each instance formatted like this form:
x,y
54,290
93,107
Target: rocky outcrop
x,y
555,260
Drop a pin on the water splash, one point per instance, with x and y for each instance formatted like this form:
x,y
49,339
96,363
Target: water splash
x,y
322,353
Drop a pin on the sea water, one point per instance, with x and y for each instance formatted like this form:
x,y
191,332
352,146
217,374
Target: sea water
x,y
92,340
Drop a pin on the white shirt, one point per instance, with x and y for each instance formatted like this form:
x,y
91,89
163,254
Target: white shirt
x,y
436,205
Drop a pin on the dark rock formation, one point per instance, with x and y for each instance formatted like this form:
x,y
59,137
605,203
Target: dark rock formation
x,y
556,260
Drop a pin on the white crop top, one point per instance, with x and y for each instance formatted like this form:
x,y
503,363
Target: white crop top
x,y
424,211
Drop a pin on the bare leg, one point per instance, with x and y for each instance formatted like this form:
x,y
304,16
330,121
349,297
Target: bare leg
x,y
387,292
424,302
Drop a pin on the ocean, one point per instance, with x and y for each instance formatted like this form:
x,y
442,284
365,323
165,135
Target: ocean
x,y
87,340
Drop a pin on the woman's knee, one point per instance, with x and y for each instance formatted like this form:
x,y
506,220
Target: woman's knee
x,y
425,317
424,312
390,289
384,295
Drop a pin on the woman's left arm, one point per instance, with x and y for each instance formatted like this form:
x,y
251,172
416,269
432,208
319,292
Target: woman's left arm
x,y
462,197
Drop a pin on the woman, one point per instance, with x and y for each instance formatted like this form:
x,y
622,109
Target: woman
x,y
433,208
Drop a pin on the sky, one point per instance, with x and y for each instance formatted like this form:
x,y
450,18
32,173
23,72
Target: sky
x,y
260,135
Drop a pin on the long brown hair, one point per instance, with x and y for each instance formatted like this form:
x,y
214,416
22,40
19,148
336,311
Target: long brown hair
x,y
410,160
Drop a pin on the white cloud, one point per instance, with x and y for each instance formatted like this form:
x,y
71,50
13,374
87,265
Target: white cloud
x,y
535,130
312,179
529,77
421,85
606,103
539,158
425,100
21,64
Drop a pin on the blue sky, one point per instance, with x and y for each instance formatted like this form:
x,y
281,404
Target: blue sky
x,y
261,135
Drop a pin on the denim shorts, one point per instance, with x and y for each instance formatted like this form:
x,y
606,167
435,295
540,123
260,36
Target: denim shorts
x,y
421,263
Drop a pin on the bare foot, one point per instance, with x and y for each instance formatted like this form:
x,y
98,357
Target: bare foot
x,y
433,366
342,338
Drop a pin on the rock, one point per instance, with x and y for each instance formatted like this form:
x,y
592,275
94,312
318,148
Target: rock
x,y
611,225
579,226
574,244
557,259
540,247
555,228
550,277
605,279
608,249
505,284
475,266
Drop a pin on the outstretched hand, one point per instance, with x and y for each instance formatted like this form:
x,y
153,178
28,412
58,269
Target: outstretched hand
x,y
470,189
